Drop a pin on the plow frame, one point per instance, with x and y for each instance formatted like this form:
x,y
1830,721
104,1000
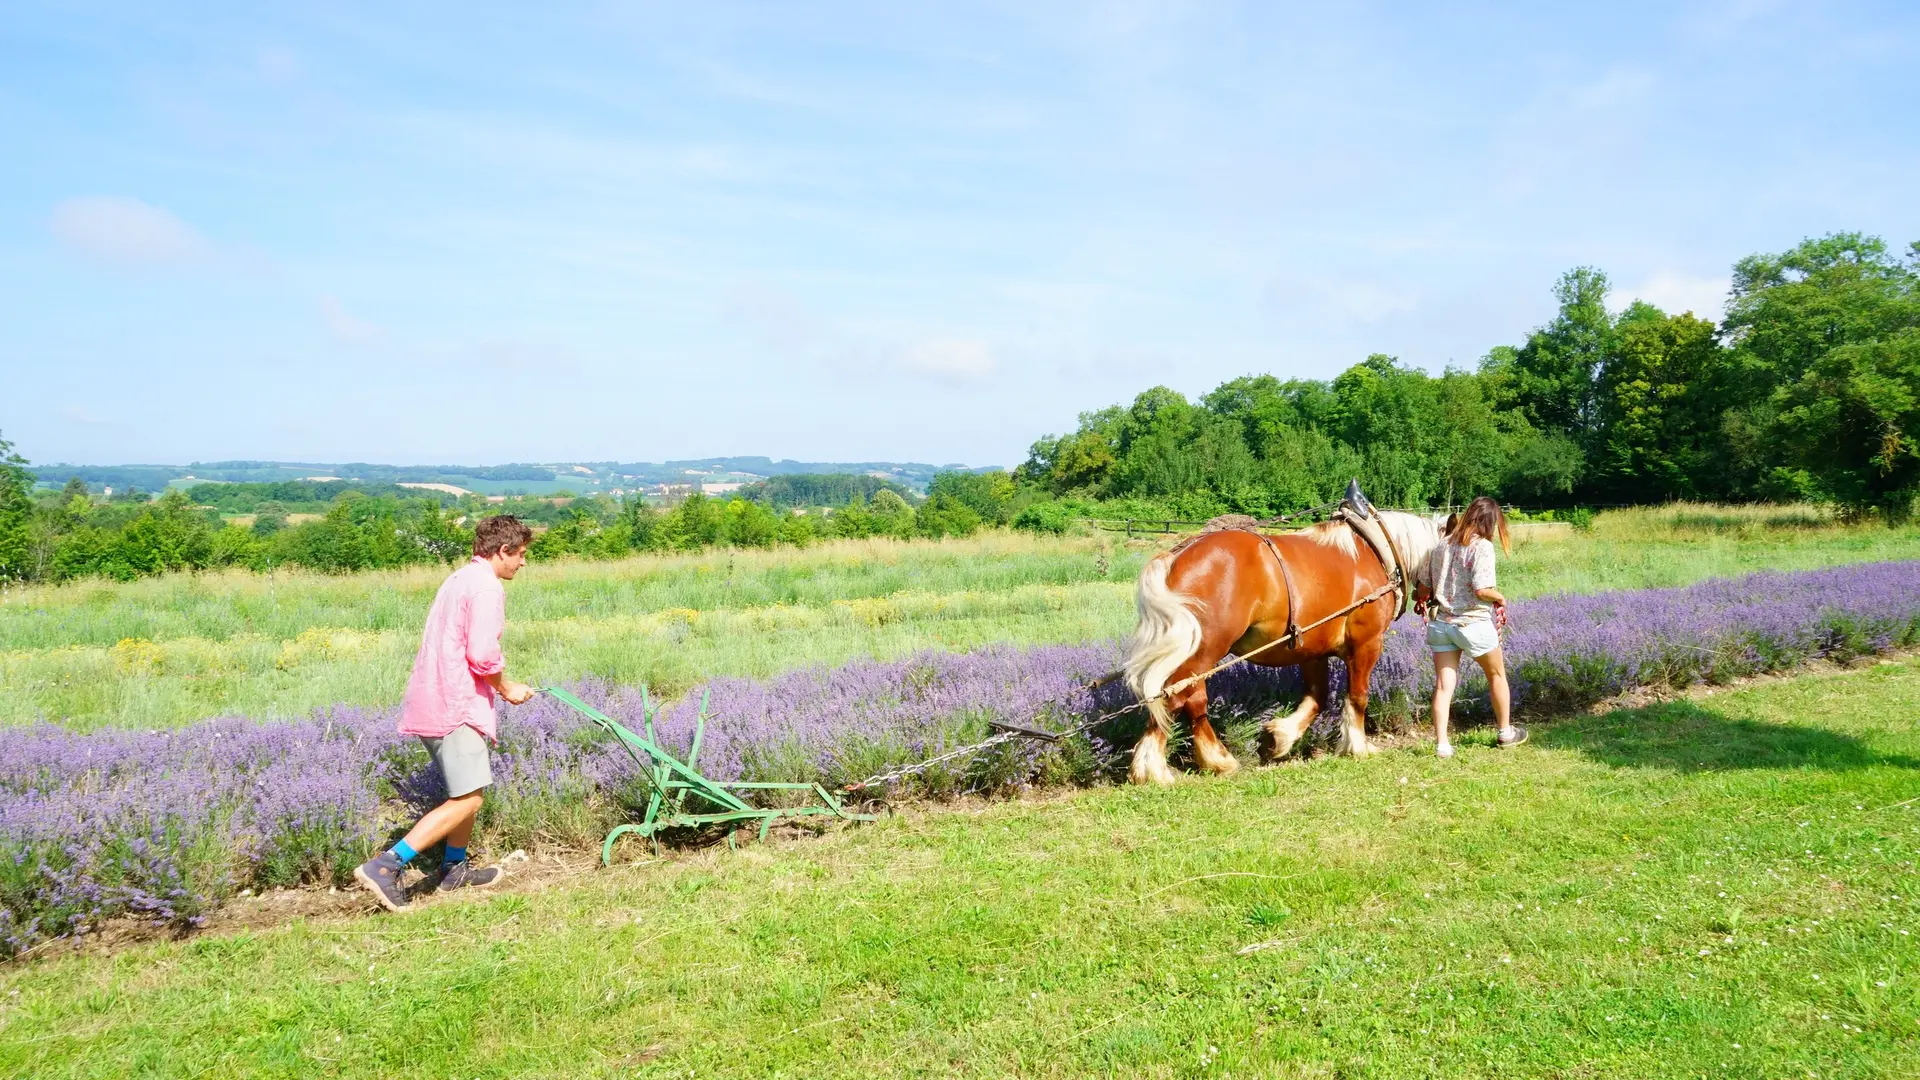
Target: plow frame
x,y
673,785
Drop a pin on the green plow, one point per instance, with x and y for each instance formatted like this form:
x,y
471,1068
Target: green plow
x,y
681,798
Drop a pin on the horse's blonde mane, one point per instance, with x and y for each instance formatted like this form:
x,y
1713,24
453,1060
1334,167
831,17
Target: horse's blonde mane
x,y
1335,534
1414,537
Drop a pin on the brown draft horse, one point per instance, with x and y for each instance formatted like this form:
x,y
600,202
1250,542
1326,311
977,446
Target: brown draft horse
x,y
1226,592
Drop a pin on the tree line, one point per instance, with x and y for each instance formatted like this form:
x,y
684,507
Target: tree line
x,y
68,534
1809,388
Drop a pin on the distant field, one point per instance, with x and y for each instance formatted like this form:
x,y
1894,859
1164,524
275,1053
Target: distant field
x,y
165,651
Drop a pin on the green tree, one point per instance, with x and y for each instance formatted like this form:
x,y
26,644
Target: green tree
x,y
946,515
1787,310
891,514
988,494
750,524
1391,414
168,535
1541,467
853,521
89,551
1661,403
270,518
1468,451
644,525
75,488
235,546
334,544
16,512
1554,378
1821,336
697,523
1852,424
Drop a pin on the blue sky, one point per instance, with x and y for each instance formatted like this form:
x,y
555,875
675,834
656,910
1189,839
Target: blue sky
x,y
486,233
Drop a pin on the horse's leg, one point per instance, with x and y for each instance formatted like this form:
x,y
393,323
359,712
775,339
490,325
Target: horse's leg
x,y
1150,755
1208,750
1353,728
1278,735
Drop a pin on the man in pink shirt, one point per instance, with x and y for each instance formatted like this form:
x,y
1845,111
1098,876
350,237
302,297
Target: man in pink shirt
x,y
449,705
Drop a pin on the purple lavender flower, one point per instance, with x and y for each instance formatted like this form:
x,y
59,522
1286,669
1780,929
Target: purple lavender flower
x,y
164,825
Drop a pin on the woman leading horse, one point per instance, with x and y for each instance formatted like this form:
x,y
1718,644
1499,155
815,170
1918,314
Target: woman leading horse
x,y
1235,591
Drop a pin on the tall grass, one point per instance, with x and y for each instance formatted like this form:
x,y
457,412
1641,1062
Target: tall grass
x,y
171,650
226,604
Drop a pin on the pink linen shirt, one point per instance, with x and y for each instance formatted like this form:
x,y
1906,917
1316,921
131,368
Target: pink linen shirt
x,y
460,648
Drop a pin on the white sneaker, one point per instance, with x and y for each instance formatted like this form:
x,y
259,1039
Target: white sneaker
x,y
1444,750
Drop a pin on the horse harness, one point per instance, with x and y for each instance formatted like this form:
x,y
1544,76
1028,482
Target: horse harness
x,y
1363,524
1286,582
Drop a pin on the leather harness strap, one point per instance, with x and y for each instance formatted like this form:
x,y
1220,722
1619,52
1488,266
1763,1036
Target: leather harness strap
x,y
1286,582
1399,562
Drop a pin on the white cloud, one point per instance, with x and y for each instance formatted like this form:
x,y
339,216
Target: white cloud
x,y
950,358
120,231
1674,293
1619,87
343,327
1352,300
80,414
778,319
1726,18
518,357
781,322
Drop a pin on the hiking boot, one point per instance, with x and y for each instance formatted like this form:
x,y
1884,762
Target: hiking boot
x,y
1511,737
465,875
381,875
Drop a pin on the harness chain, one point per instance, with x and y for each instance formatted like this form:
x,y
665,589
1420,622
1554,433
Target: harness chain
x,y
892,776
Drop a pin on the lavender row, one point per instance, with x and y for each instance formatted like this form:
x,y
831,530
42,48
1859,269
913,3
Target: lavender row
x,y
166,824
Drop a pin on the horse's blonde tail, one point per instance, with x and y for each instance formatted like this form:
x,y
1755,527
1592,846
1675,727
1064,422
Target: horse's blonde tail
x,y
1167,635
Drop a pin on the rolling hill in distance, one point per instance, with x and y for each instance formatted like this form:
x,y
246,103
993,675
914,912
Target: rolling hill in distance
x,y
545,478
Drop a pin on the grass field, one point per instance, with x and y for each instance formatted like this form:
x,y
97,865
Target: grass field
x,y
1718,886
170,650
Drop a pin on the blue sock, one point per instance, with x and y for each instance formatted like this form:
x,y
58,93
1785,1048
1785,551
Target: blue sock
x,y
453,855
404,852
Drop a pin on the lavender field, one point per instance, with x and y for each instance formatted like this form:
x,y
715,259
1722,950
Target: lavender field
x,y
164,825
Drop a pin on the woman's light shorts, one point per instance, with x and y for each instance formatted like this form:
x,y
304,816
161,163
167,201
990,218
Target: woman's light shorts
x,y
464,759
1476,638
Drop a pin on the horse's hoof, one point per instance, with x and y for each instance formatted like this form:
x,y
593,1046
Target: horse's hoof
x,y
1223,765
1161,777
1272,750
1269,746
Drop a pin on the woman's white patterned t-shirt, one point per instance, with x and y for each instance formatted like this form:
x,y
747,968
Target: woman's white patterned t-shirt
x,y
1457,574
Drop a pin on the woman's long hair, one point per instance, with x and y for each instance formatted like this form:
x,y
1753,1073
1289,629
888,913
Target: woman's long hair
x,y
1482,518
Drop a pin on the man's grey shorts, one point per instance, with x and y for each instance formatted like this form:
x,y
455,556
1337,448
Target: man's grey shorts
x,y
1476,637
464,759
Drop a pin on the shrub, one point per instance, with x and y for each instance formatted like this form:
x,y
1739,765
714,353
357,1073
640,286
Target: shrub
x,y
1048,518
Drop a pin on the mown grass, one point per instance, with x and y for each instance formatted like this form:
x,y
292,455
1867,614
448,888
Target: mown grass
x,y
171,650
1720,886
